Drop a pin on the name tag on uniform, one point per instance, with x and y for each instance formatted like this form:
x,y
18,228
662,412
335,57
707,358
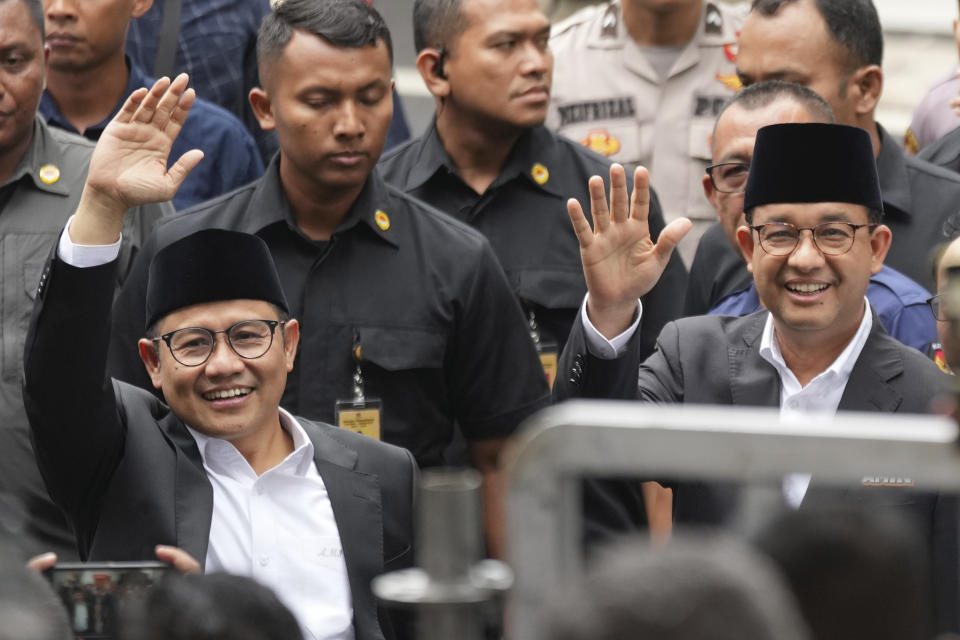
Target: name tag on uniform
x,y
360,416
549,359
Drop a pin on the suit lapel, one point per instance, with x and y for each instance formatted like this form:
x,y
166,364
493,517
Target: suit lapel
x,y
869,388
751,382
355,498
193,501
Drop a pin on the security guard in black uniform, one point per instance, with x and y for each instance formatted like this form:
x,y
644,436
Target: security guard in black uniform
x,y
488,160
408,323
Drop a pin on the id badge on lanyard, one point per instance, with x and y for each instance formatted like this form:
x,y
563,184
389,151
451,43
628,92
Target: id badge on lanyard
x,y
359,414
548,350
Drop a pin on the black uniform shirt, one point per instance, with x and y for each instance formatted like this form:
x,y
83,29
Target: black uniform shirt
x,y
523,214
442,338
920,202
717,272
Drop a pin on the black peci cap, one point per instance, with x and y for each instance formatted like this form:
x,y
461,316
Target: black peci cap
x,y
209,266
813,162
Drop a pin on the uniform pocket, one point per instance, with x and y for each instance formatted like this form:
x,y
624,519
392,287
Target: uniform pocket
x,y
399,348
553,288
24,256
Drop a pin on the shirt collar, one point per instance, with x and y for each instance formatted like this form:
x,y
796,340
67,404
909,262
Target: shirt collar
x,y
892,170
844,363
43,162
372,208
534,157
610,32
136,78
212,449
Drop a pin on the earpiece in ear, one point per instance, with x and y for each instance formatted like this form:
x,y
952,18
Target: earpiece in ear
x,y
438,68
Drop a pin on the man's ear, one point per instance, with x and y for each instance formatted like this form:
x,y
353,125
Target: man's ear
x,y
140,7
868,83
879,245
151,360
710,193
430,64
262,108
291,339
746,244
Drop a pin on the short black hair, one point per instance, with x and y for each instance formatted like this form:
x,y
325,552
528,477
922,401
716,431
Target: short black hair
x,y
761,94
437,23
858,572
853,24
698,586
764,93
343,23
208,607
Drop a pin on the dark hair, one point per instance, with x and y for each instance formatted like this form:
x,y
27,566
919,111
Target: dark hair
x,y
208,607
437,23
762,94
343,23
853,24
858,573
697,588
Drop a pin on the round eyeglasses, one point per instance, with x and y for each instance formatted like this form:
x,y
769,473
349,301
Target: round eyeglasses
x,y
729,177
192,346
831,238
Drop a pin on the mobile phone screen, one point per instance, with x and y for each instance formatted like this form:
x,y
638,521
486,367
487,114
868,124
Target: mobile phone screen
x,y
95,594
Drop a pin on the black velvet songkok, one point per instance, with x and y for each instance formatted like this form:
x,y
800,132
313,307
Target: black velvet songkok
x,y
209,266
813,162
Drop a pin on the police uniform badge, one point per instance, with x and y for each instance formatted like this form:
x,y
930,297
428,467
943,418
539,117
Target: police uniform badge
x,y
713,20
600,141
935,351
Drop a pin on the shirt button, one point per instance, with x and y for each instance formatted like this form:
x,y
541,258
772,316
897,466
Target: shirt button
x,y
264,561
259,490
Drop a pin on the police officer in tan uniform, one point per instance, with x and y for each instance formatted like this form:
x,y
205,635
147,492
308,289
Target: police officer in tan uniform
x,y
642,82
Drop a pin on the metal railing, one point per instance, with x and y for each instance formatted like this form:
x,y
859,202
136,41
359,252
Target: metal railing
x,y
754,446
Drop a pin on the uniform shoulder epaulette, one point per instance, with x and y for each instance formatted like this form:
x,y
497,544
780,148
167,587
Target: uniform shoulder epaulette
x,y
724,20
582,19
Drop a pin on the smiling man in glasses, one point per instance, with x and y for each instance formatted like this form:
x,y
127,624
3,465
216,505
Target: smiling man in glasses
x,y
221,471
813,238
720,282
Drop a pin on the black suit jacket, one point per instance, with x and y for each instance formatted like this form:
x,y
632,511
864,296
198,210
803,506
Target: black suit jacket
x,y
716,360
129,475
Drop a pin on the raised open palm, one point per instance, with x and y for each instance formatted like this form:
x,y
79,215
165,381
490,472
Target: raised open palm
x,y
129,164
620,260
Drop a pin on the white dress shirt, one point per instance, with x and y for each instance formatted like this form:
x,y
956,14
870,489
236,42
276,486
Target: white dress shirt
x,y
820,396
277,528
